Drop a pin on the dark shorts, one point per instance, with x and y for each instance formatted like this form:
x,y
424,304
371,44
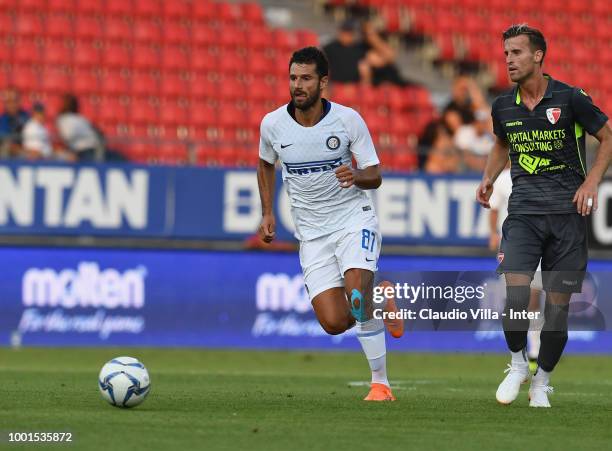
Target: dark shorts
x,y
559,240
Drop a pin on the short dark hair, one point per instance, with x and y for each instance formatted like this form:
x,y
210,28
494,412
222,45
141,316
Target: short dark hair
x,y
70,104
536,38
310,55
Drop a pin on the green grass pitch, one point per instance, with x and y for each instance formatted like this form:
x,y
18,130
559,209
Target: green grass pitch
x,y
235,400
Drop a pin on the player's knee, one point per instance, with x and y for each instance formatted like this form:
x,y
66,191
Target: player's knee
x,y
334,326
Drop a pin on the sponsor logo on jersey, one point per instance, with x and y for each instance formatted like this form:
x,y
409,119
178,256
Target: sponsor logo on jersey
x,y
313,166
333,142
553,115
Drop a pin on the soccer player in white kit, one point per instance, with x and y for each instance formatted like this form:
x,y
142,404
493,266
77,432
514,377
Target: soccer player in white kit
x,y
315,141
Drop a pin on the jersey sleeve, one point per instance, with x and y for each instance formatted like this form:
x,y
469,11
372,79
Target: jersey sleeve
x,y
586,112
266,151
360,141
497,126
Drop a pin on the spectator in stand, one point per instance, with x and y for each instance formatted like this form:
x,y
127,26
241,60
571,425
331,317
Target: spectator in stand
x,y
442,156
12,122
77,133
378,66
345,53
36,138
367,58
475,141
467,98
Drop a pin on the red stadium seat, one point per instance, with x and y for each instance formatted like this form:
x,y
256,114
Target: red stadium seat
x,y
59,26
204,10
176,33
88,27
144,84
252,13
28,25
86,54
231,63
202,60
229,12
6,52
117,29
55,80
116,55
201,88
144,57
113,110
175,58
91,8
202,115
112,82
147,8
32,6
147,31
173,85
84,82
202,34
174,114
24,77
119,7
172,153
56,52
144,111
26,50
177,9
231,36
307,38
138,152
260,40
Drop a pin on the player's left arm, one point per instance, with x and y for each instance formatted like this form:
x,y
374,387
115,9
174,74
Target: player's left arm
x,y
589,188
367,175
595,123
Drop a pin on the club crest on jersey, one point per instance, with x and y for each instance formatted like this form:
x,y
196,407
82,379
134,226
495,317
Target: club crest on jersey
x,y
553,115
333,142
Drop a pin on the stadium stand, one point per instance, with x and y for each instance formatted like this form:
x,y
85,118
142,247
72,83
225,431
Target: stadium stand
x,y
464,31
180,81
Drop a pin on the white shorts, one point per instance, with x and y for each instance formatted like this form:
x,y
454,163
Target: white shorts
x,y
325,259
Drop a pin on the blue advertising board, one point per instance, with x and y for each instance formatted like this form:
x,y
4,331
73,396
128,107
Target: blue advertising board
x,y
216,204
87,297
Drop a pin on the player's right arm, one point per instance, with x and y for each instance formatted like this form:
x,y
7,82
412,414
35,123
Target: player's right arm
x,y
266,182
495,164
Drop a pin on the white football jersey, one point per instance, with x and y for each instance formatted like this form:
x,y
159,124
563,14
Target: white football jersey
x,y
309,156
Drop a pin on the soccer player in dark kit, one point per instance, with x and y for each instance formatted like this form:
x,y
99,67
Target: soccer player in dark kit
x,y
540,124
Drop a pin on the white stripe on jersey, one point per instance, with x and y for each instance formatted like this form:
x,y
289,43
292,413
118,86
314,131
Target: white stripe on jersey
x,y
309,157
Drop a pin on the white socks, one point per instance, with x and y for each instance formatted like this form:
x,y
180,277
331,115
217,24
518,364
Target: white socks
x,y
541,377
519,358
371,335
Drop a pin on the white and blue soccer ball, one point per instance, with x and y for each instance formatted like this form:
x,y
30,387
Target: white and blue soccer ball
x,y
124,382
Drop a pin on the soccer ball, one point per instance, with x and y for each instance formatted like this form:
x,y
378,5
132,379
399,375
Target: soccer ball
x,y
124,382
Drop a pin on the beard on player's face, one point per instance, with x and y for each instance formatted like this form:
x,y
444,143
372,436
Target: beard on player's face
x,y
304,103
